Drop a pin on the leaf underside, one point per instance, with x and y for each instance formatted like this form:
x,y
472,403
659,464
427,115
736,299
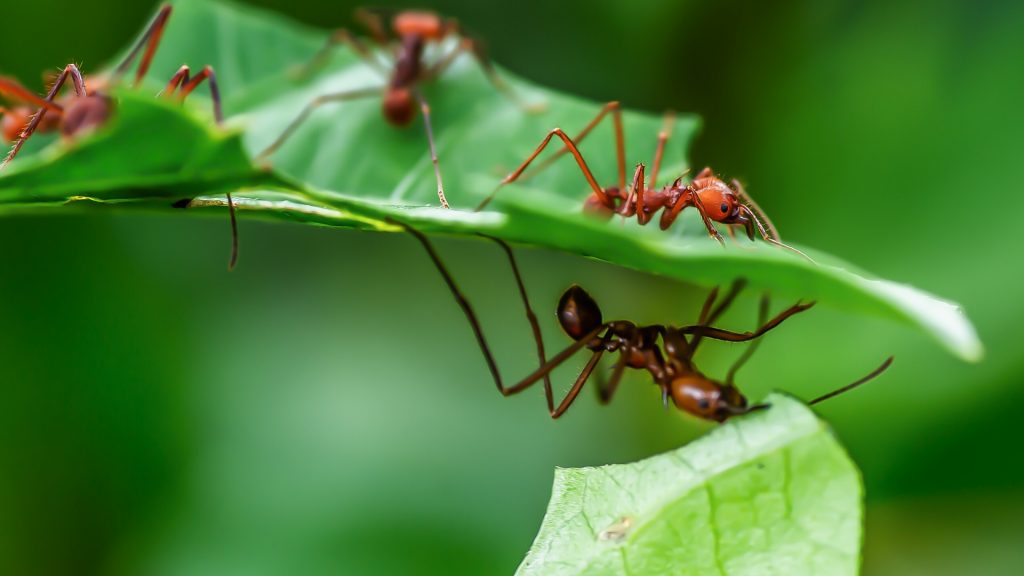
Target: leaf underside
x,y
347,167
769,493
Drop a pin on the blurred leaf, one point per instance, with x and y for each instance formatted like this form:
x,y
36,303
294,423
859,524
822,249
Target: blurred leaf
x,y
347,167
770,493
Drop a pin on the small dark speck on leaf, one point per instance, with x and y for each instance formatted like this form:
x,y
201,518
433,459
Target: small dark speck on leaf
x,y
183,203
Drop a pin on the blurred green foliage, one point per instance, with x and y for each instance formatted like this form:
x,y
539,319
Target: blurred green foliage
x,y
323,410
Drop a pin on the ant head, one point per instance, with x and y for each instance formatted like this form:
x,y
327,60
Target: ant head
x,y
578,313
720,203
83,115
706,398
399,106
13,122
420,23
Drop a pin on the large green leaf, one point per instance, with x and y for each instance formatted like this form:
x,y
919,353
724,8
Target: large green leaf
x,y
347,167
769,493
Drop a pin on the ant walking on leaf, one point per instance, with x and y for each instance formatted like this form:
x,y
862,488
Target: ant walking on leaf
x,y
90,105
411,33
665,352
714,200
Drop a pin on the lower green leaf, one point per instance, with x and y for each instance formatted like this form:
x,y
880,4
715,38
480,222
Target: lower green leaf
x,y
769,493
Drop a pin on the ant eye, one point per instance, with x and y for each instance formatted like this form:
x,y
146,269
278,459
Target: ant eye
x,y
724,207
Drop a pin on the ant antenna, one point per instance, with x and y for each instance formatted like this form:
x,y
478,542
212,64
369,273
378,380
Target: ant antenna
x,y
849,387
733,411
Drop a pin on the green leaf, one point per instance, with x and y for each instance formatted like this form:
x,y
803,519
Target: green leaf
x,y
347,167
769,493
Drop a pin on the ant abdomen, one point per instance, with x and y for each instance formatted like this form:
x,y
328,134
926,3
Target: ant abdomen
x,y
399,107
578,313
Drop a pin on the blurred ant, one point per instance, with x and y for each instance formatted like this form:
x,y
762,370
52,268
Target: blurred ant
x,y
413,30
89,108
669,363
713,199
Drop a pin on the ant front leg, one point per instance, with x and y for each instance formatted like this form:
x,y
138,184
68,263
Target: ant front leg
x,y
80,91
692,198
602,197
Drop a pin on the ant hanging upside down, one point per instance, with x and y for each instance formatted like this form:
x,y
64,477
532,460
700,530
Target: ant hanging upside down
x,y
413,32
90,107
665,352
713,199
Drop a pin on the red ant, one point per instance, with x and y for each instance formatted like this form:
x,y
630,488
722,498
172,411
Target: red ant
x,y
401,96
90,108
714,200
669,363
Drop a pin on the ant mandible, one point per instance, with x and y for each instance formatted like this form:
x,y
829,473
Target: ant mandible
x,y
90,107
713,199
413,30
670,362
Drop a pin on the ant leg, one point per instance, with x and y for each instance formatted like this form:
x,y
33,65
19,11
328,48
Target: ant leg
x,y
541,372
530,316
663,135
689,197
151,40
696,202
730,336
309,109
635,197
620,142
340,36
762,318
374,24
513,176
479,53
80,91
184,85
18,91
708,302
606,391
709,315
574,392
425,108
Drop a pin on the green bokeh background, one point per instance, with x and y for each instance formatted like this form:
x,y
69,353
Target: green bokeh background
x,y
323,409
